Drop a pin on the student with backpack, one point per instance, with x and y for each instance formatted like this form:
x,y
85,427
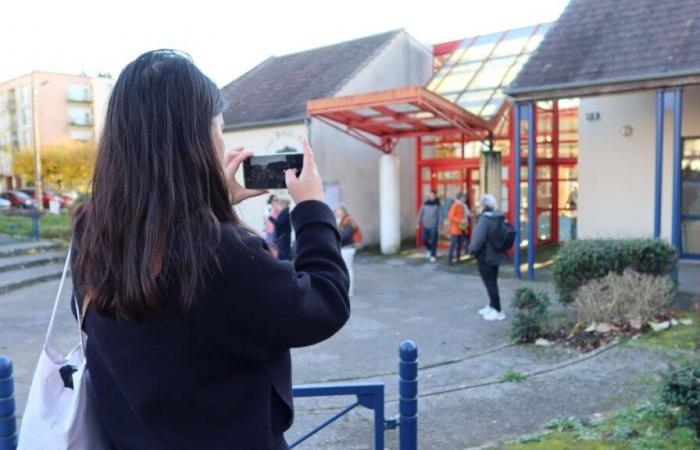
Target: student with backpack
x,y
492,238
350,236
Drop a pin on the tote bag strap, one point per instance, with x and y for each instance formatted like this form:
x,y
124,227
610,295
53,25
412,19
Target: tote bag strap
x,y
52,321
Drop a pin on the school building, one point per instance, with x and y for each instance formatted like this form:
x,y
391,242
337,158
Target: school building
x,y
607,97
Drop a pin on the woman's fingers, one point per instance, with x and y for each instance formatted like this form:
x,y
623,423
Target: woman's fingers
x,y
308,156
236,160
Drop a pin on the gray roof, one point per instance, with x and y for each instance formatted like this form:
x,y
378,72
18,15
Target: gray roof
x,y
614,42
276,90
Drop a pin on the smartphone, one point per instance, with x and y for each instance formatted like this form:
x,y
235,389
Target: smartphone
x,y
267,172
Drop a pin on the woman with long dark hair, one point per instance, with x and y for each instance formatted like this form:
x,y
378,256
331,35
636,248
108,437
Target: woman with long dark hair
x,y
189,318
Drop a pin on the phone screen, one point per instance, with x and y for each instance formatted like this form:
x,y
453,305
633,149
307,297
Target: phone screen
x,y
267,172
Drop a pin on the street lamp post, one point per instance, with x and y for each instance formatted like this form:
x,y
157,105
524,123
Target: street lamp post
x,y
38,194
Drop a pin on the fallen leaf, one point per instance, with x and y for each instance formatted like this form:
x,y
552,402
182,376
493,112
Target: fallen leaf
x,y
591,328
674,322
636,323
603,328
686,321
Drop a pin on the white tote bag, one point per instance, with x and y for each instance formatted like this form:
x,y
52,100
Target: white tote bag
x,y
58,417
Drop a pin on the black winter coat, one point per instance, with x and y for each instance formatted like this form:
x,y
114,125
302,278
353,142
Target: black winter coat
x,y
218,376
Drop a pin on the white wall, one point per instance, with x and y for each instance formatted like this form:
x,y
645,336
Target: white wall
x,y
354,165
616,173
344,160
263,141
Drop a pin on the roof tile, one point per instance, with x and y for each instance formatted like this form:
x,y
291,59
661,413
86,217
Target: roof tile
x,y
278,88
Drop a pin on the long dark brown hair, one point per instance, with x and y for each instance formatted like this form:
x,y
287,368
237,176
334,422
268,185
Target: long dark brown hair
x,y
153,220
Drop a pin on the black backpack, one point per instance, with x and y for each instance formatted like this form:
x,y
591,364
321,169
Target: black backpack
x,y
504,236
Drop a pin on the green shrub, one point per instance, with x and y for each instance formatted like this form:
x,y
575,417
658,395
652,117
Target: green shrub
x,y
681,388
578,262
531,314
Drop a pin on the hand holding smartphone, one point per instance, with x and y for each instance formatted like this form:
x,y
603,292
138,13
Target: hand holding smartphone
x,y
269,171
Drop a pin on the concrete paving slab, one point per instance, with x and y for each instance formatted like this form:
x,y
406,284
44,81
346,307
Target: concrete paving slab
x,y
395,301
16,262
15,248
19,278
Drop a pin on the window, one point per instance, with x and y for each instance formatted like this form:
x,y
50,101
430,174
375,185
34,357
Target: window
x,y
80,116
475,74
79,93
690,197
26,121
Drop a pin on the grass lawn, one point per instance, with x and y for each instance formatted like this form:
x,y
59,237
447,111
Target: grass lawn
x,y
50,226
647,425
680,337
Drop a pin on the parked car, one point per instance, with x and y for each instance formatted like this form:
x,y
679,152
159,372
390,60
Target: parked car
x,y
5,204
66,200
45,196
18,199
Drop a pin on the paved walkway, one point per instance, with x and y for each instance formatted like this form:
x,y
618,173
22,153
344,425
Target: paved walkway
x,y
462,357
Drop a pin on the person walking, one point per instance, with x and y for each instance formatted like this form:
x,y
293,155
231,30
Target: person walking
x,y
458,226
283,229
270,211
189,318
350,236
429,220
484,247
269,232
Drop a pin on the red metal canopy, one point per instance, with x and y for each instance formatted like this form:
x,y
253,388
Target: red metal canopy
x,y
381,118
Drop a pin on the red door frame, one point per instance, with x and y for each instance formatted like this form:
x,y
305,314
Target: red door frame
x,y
555,162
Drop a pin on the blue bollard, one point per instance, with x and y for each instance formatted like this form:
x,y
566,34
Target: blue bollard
x,y
35,223
408,396
8,424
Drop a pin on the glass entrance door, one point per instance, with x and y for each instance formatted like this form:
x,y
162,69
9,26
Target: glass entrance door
x,y
448,181
690,199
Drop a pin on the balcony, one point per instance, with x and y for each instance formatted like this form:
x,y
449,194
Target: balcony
x,y
88,123
85,97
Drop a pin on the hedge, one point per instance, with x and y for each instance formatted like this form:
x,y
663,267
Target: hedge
x,y
580,261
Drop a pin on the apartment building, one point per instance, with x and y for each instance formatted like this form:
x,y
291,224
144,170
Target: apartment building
x,y
64,106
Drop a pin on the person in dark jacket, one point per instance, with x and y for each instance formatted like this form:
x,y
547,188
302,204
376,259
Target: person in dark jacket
x,y
283,229
488,258
429,220
189,318
347,227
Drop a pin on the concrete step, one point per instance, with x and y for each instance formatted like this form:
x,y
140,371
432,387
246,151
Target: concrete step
x,y
24,261
28,247
16,279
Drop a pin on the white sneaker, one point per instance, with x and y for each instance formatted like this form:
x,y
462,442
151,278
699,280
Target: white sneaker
x,y
485,310
494,315
428,255
432,259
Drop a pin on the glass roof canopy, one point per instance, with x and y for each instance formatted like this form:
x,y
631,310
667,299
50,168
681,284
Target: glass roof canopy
x,y
480,68
465,96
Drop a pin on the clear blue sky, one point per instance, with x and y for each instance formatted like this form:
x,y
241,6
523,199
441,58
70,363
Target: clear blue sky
x,y
226,38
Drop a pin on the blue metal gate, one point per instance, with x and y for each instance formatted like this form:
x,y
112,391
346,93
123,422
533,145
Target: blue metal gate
x,y
371,395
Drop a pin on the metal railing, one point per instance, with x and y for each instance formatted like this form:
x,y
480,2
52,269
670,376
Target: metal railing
x,y
8,423
14,230
371,395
